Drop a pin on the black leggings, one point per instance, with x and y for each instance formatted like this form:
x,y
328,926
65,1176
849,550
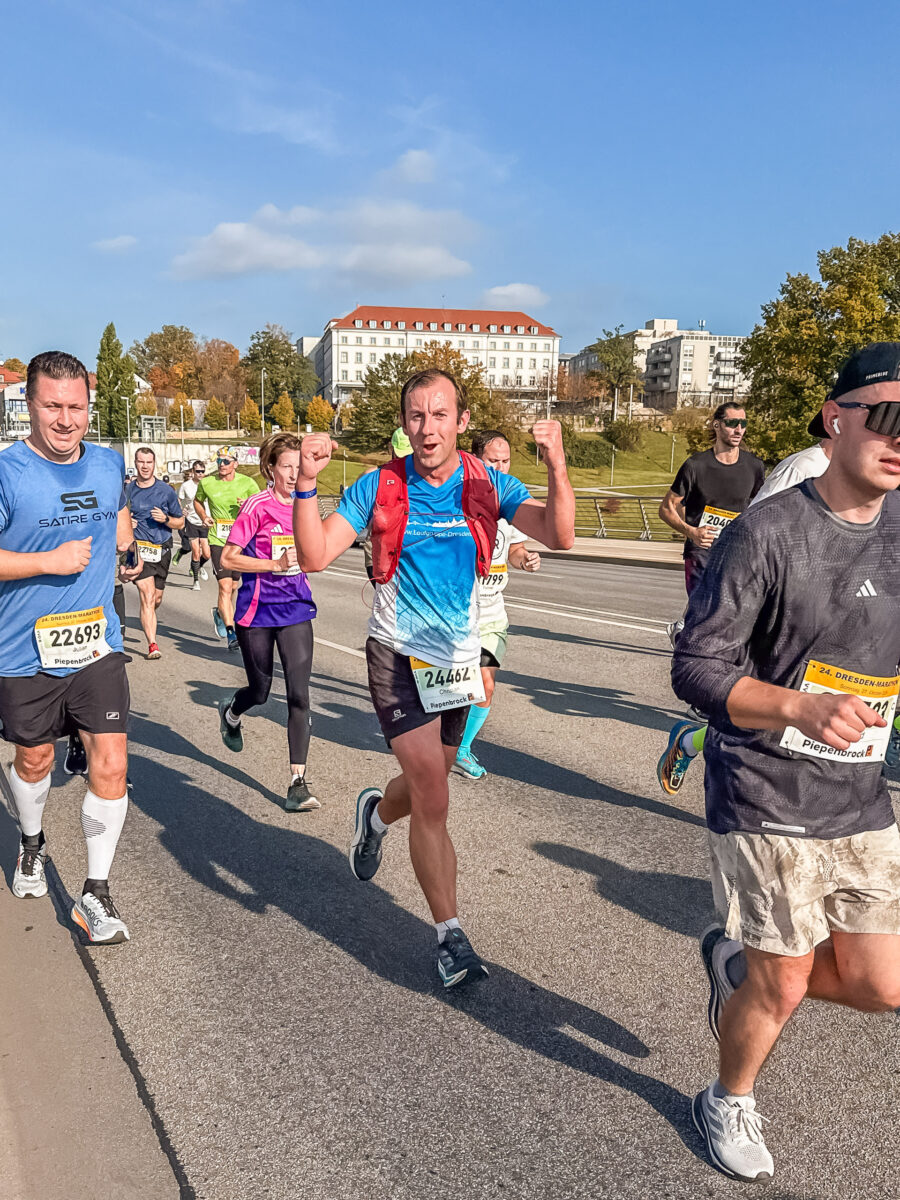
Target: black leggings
x,y
295,649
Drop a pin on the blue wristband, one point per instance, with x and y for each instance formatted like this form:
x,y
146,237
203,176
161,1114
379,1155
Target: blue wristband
x,y
304,495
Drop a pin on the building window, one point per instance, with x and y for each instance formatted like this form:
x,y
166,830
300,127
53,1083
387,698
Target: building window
x,y
507,329
532,329
432,325
343,341
492,362
419,325
385,324
506,362
532,346
373,341
401,324
531,380
520,329
359,375
343,356
492,379
387,341
476,329
518,381
518,363
492,328
546,345
506,345
373,324
492,345
358,341
532,362
506,381
520,345
476,345
546,363
358,323
372,358
344,376
357,357
462,343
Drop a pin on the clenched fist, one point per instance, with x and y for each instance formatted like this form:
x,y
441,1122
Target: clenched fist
x,y
548,439
838,721
315,454
70,558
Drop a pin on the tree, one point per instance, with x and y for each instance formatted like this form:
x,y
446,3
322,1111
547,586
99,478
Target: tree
x,y
282,412
272,348
375,413
807,332
219,373
181,406
249,416
617,369
319,413
215,416
114,403
168,360
16,364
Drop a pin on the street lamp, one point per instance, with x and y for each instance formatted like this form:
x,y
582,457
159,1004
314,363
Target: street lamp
x,y
262,398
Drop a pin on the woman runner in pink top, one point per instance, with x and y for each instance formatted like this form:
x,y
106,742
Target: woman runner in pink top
x,y
274,607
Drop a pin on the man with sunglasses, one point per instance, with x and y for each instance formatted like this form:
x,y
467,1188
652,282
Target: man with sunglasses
x,y
194,533
791,644
711,489
217,502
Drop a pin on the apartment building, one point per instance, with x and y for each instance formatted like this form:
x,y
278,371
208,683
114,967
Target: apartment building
x,y
693,368
587,360
514,350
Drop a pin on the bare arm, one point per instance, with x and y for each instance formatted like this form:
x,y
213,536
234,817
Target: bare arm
x,y
552,523
838,721
125,542
68,559
671,510
201,513
318,542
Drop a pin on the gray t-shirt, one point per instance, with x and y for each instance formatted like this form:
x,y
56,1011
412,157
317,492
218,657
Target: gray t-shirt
x,y
789,583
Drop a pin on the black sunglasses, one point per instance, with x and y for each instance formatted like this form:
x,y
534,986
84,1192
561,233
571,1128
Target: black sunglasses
x,y
734,422
883,418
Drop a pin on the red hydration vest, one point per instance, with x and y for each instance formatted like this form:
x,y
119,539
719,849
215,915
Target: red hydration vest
x,y
480,503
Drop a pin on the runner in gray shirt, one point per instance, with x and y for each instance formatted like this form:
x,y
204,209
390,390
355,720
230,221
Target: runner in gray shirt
x,y
791,644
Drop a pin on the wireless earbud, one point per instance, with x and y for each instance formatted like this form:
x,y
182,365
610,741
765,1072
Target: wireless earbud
x,y
836,425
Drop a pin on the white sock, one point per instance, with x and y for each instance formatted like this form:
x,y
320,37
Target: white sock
x,y
377,824
102,822
232,720
30,801
444,927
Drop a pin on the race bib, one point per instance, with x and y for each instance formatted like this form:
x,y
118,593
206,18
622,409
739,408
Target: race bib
x,y
496,580
223,528
71,640
880,694
716,518
150,552
441,688
280,543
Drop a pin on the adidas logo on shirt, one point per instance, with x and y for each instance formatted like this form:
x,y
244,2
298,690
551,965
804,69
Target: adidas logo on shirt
x,y
867,589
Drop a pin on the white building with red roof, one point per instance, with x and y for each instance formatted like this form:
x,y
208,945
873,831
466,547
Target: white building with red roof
x,y
515,351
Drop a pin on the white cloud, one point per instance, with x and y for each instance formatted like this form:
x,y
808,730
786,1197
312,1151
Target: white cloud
x,y
515,296
415,166
390,243
115,245
299,126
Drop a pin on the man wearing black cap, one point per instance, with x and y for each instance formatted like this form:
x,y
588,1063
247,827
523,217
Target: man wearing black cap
x,y
791,643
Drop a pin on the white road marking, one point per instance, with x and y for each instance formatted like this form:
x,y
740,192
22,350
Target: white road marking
x,y
337,646
574,616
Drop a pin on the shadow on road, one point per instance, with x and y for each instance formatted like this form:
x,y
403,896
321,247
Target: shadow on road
x,y
208,836
680,903
578,639
582,700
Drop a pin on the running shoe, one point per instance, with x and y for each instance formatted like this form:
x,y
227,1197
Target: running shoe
x,y
467,764
231,734
76,758
98,917
673,629
724,969
29,878
219,624
365,849
153,651
732,1129
457,963
673,763
176,557
300,798
892,754
195,586
232,640
204,574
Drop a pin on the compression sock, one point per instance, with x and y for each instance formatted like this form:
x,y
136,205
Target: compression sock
x,y
102,821
444,927
30,800
195,568
692,741
476,718
376,822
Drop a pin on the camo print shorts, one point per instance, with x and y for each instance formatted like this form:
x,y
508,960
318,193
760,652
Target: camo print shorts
x,y
784,895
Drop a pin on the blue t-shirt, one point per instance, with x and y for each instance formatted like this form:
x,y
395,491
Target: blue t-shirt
x,y
141,500
430,608
42,505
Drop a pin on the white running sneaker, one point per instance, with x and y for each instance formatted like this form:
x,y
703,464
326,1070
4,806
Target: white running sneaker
x,y
99,919
724,971
732,1129
195,587
29,878
204,574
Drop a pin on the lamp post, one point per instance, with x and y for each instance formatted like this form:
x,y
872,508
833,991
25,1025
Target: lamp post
x,y
262,398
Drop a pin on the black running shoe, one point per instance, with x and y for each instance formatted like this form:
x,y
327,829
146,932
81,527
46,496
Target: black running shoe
x,y
458,964
231,734
76,758
300,798
365,849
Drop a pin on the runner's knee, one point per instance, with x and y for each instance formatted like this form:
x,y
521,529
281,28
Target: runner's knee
x,y
781,985
34,763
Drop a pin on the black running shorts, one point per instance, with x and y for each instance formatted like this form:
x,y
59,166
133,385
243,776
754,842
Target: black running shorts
x,y
158,571
38,709
215,553
396,698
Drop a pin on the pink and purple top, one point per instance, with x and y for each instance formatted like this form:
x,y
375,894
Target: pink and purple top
x,y
268,599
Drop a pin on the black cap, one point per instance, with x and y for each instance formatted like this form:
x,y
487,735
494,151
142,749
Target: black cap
x,y
877,363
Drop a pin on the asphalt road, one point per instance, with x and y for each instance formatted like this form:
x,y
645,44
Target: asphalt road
x,y
287,1019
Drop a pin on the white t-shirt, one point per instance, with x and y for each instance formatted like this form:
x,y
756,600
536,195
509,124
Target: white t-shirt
x,y
806,464
186,494
492,611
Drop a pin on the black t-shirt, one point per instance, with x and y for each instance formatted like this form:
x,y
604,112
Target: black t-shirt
x,y
790,582
704,482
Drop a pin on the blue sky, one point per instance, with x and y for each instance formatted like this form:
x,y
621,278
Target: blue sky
x,y
223,164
